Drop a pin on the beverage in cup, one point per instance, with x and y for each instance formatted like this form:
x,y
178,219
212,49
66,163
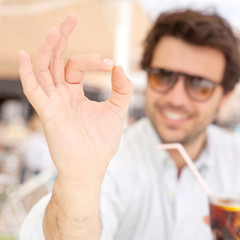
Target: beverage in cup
x,y
224,208
225,217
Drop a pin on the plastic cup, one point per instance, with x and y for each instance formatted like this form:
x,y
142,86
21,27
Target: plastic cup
x,y
225,216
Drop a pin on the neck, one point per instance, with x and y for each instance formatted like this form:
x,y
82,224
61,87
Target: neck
x,y
193,149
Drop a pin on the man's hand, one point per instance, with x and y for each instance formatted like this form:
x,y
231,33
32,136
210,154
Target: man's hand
x,y
82,135
206,220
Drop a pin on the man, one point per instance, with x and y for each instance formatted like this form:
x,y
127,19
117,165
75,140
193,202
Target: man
x,y
192,60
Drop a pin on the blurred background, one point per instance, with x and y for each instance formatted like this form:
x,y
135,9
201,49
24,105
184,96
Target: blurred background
x,y
112,28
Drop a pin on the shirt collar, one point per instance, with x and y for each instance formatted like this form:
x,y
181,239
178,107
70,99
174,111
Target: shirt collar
x,y
158,156
162,156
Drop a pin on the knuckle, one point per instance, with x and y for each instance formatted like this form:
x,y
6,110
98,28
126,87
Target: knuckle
x,y
71,59
30,91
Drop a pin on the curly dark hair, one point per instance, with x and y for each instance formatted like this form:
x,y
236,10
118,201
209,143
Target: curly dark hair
x,y
201,29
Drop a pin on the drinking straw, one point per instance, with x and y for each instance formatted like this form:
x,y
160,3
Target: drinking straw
x,y
189,161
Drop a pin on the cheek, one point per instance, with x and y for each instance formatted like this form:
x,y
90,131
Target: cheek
x,y
152,97
150,100
148,103
209,109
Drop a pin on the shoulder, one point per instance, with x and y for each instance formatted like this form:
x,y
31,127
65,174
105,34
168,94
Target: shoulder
x,y
224,159
137,129
131,152
223,146
32,224
220,136
139,134
135,141
137,151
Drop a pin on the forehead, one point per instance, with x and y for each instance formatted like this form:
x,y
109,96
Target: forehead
x,y
175,54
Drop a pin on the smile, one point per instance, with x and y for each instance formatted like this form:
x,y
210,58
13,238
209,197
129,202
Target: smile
x,y
174,116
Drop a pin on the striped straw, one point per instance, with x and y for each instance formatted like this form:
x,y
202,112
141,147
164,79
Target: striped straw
x,y
189,161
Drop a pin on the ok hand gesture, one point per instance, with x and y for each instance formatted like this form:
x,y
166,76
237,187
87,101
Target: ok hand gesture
x,y
82,135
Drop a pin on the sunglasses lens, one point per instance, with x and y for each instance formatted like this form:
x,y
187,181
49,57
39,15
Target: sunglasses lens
x,y
198,88
161,80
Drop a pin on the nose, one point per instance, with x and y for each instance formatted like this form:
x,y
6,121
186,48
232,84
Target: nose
x,y
178,94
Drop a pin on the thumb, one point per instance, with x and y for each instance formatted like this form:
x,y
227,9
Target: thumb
x,y
121,91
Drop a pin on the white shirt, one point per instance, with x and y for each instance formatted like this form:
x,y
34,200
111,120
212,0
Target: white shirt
x,y
142,197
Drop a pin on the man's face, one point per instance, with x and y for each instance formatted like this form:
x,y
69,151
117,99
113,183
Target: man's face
x,y
175,116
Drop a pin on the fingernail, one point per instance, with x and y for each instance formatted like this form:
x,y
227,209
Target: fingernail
x,y
108,62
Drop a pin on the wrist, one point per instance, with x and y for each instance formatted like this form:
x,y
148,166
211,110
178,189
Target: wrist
x,y
76,192
74,211
80,180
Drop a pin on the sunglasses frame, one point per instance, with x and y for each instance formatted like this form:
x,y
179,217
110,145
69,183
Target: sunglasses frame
x,y
153,70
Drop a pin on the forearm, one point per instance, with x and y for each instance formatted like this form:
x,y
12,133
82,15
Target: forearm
x,y
73,212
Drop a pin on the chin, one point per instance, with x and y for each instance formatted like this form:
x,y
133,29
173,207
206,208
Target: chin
x,y
176,140
172,138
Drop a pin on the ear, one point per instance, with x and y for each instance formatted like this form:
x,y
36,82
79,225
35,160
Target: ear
x,y
226,97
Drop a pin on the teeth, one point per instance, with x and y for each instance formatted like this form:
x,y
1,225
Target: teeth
x,y
174,116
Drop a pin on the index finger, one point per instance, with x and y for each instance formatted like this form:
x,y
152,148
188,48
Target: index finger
x,y
77,65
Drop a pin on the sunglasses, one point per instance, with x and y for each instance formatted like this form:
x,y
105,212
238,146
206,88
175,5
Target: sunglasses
x,y
198,88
